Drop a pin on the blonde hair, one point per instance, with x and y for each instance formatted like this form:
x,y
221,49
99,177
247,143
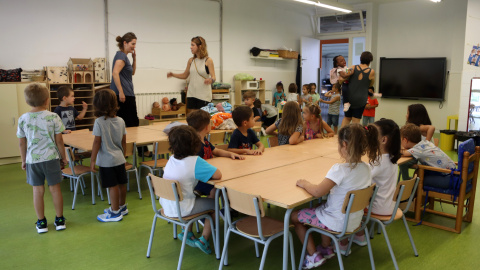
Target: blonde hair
x,y
291,118
36,94
359,141
249,94
202,47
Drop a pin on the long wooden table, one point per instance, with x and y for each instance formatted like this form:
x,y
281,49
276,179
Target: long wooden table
x,y
275,180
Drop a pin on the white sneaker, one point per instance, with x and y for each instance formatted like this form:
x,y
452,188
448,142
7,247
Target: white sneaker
x,y
123,210
110,216
263,132
346,106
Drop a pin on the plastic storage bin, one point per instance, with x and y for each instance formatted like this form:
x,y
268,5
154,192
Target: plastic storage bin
x,y
447,139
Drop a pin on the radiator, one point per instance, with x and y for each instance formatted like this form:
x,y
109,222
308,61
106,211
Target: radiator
x,y
145,101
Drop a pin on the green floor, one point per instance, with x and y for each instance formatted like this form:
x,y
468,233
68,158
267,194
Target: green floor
x,y
89,244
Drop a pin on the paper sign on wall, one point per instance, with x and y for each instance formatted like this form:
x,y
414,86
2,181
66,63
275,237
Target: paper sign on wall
x,y
474,57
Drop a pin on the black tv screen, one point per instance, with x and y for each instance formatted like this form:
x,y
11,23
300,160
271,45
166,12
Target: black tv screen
x,y
413,78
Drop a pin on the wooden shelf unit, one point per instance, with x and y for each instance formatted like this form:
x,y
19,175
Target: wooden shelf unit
x,y
241,87
81,94
221,92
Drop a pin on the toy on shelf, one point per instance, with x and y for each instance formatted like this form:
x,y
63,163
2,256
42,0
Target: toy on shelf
x,y
165,105
173,104
220,107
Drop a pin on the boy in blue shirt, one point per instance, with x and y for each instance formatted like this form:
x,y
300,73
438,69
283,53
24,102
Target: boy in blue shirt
x,y
200,121
65,109
43,153
243,138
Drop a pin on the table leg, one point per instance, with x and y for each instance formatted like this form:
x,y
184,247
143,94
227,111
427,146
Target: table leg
x,y
92,177
286,226
217,224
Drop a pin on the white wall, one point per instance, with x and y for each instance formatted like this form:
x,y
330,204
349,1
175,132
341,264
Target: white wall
x,y
471,38
47,33
423,29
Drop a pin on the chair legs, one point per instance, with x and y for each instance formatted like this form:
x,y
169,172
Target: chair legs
x,y
224,259
410,236
137,175
152,232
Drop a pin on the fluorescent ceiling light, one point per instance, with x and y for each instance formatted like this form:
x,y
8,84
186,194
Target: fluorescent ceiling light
x,y
328,4
436,1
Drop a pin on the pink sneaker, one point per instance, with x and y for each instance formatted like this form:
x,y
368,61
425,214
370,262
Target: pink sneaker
x,y
327,252
360,240
343,249
313,261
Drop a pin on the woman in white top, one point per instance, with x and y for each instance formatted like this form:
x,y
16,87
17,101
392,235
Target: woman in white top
x,y
202,74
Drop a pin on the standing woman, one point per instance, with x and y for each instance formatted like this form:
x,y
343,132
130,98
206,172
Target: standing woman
x,y
122,84
202,75
361,78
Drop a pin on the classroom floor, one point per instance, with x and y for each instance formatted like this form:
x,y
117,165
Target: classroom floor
x,y
89,244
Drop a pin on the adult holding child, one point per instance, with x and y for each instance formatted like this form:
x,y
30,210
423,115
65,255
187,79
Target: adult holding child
x,y
361,77
201,71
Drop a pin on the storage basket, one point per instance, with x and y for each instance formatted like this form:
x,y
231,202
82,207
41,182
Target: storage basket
x,y
288,54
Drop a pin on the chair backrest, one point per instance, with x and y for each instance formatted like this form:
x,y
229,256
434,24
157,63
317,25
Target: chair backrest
x,y
361,200
272,141
222,146
129,150
466,146
71,159
216,138
409,186
161,147
163,188
244,203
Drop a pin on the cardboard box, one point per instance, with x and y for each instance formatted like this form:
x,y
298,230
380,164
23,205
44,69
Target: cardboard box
x,y
57,75
101,76
80,64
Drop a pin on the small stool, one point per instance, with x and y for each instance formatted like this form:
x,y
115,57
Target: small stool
x,y
452,117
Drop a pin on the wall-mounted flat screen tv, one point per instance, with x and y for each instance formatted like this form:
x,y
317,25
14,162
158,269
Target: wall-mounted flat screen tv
x,y
413,78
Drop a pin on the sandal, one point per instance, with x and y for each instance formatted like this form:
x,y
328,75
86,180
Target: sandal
x,y
205,246
191,242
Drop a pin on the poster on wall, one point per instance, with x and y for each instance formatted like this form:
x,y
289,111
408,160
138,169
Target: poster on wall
x,y
474,57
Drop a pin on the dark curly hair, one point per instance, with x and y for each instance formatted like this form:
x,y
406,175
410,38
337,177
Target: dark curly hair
x,y
184,141
105,103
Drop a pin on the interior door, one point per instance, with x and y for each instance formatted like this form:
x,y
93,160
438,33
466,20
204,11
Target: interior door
x,y
310,51
8,121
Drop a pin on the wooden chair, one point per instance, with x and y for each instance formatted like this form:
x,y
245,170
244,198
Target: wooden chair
x,y
463,185
217,138
171,190
256,226
76,173
80,156
355,201
272,141
156,164
131,151
405,192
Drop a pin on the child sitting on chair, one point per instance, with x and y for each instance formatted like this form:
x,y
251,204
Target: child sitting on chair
x,y
186,167
243,138
200,121
428,154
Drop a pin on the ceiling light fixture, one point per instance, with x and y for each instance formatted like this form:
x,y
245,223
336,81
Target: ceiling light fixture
x,y
436,1
330,5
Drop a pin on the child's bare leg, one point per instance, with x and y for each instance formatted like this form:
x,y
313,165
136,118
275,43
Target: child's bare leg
x,y
335,129
38,192
207,230
212,193
114,197
326,241
122,189
301,230
56,192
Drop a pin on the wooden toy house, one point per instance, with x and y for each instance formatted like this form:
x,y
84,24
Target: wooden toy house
x,y
80,70
99,66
